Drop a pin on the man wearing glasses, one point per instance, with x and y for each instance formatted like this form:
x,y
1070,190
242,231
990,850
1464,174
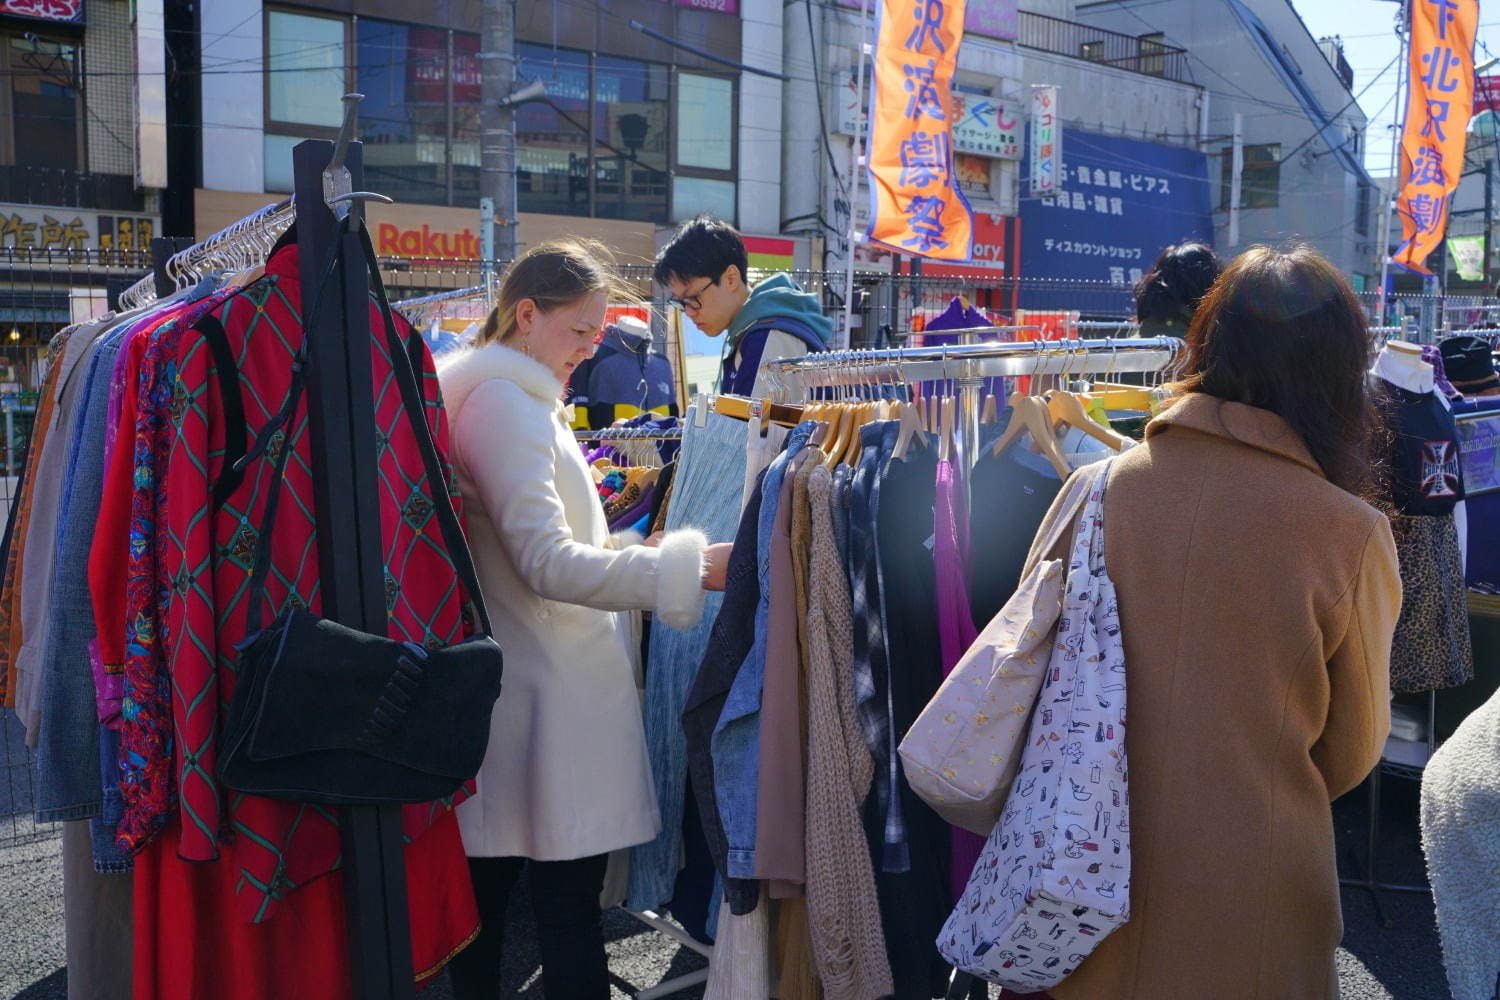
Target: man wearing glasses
x,y
704,270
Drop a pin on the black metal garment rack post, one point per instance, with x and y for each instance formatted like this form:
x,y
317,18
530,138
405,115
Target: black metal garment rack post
x,y
341,411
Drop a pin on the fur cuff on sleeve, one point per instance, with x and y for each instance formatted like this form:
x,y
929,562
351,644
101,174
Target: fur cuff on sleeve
x,y
679,578
624,540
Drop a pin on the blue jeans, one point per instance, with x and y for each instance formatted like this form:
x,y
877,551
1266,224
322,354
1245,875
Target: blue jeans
x,y
736,738
706,495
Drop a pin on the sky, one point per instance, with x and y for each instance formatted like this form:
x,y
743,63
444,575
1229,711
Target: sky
x,y
1370,43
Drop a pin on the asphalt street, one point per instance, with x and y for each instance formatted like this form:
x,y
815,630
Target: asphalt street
x,y
1402,962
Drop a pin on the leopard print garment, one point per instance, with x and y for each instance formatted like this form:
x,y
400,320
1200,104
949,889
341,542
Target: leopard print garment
x,y
1431,649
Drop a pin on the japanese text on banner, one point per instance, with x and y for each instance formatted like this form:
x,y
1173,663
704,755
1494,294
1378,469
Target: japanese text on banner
x,y
917,207
1046,143
1437,118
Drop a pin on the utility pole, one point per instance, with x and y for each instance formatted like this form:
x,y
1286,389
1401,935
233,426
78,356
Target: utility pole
x,y
1236,180
497,131
1388,198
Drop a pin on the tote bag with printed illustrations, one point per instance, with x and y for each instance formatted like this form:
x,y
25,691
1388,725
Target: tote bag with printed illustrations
x,y
1054,877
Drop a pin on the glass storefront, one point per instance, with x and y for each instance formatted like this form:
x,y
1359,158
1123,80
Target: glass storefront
x,y
604,139
403,120
631,126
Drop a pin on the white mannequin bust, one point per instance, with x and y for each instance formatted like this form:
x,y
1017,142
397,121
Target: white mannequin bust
x,y
1400,363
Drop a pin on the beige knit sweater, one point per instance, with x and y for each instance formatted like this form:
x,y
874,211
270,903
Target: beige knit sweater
x,y
848,943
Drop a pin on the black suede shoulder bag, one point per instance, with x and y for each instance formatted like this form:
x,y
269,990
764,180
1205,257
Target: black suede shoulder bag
x,y
327,714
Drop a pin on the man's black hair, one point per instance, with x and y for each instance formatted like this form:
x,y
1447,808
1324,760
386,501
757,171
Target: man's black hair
x,y
701,248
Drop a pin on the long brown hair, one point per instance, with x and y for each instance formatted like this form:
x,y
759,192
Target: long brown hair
x,y
554,274
1282,330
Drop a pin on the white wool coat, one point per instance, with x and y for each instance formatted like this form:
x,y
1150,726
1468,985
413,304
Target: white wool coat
x,y
566,774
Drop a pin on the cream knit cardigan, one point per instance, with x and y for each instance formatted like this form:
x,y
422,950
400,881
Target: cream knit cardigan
x,y
842,909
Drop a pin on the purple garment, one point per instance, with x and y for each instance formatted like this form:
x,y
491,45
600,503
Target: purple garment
x,y
955,317
625,519
1434,357
956,631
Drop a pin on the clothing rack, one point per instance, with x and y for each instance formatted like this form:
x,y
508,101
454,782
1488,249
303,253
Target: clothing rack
x,y
419,309
606,435
968,365
239,245
341,414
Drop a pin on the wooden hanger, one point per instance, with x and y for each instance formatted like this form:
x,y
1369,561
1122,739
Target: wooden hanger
x,y
948,421
859,416
1030,414
743,408
991,412
1067,408
1121,397
838,432
910,431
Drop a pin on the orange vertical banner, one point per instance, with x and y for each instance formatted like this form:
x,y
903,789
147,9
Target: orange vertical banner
x,y
917,207
1438,106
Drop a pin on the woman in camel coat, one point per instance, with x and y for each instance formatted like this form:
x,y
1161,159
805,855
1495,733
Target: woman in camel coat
x,y
1258,594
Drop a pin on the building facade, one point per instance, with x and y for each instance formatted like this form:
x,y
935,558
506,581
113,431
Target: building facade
x,y
1303,131
632,133
82,151
1111,87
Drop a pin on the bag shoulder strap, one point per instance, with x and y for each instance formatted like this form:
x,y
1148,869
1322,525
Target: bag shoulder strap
x,y
235,430
279,427
405,360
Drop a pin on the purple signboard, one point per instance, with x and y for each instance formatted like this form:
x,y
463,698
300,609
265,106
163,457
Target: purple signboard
x,y
990,18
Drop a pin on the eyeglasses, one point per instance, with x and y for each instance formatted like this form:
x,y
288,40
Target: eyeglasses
x,y
695,300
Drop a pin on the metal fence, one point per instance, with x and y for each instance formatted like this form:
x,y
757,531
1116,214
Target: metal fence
x,y
1147,55
1426,319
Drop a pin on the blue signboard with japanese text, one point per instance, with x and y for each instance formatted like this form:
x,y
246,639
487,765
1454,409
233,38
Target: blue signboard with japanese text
x,y
1121,202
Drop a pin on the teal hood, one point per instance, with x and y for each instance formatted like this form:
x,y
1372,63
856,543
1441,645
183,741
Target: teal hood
x,y
779,297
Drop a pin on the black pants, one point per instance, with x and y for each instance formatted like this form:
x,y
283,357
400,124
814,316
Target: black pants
x,y
565,903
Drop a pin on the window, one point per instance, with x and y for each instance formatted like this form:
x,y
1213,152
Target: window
x,y
1092,51
1362,208
1260,181
695,195
305,69
552,135
631,129
1152,49
403,120
705,171
42,126
463,159
704,120
604,139
306,79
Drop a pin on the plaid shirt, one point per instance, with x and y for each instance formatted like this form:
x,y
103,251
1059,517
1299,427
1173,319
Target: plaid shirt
x,y
872,689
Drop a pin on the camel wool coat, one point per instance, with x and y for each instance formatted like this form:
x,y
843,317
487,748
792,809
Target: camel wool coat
x,y
566,774
1257,603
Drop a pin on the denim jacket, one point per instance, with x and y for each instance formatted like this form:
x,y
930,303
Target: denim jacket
x,y
68,776
77,769
732,636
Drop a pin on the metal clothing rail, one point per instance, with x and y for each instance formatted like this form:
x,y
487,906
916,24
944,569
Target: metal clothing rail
x,y
421,301
606,435
240,245
968,365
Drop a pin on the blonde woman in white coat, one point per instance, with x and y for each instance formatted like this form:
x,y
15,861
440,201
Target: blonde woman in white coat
x,y
566,778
